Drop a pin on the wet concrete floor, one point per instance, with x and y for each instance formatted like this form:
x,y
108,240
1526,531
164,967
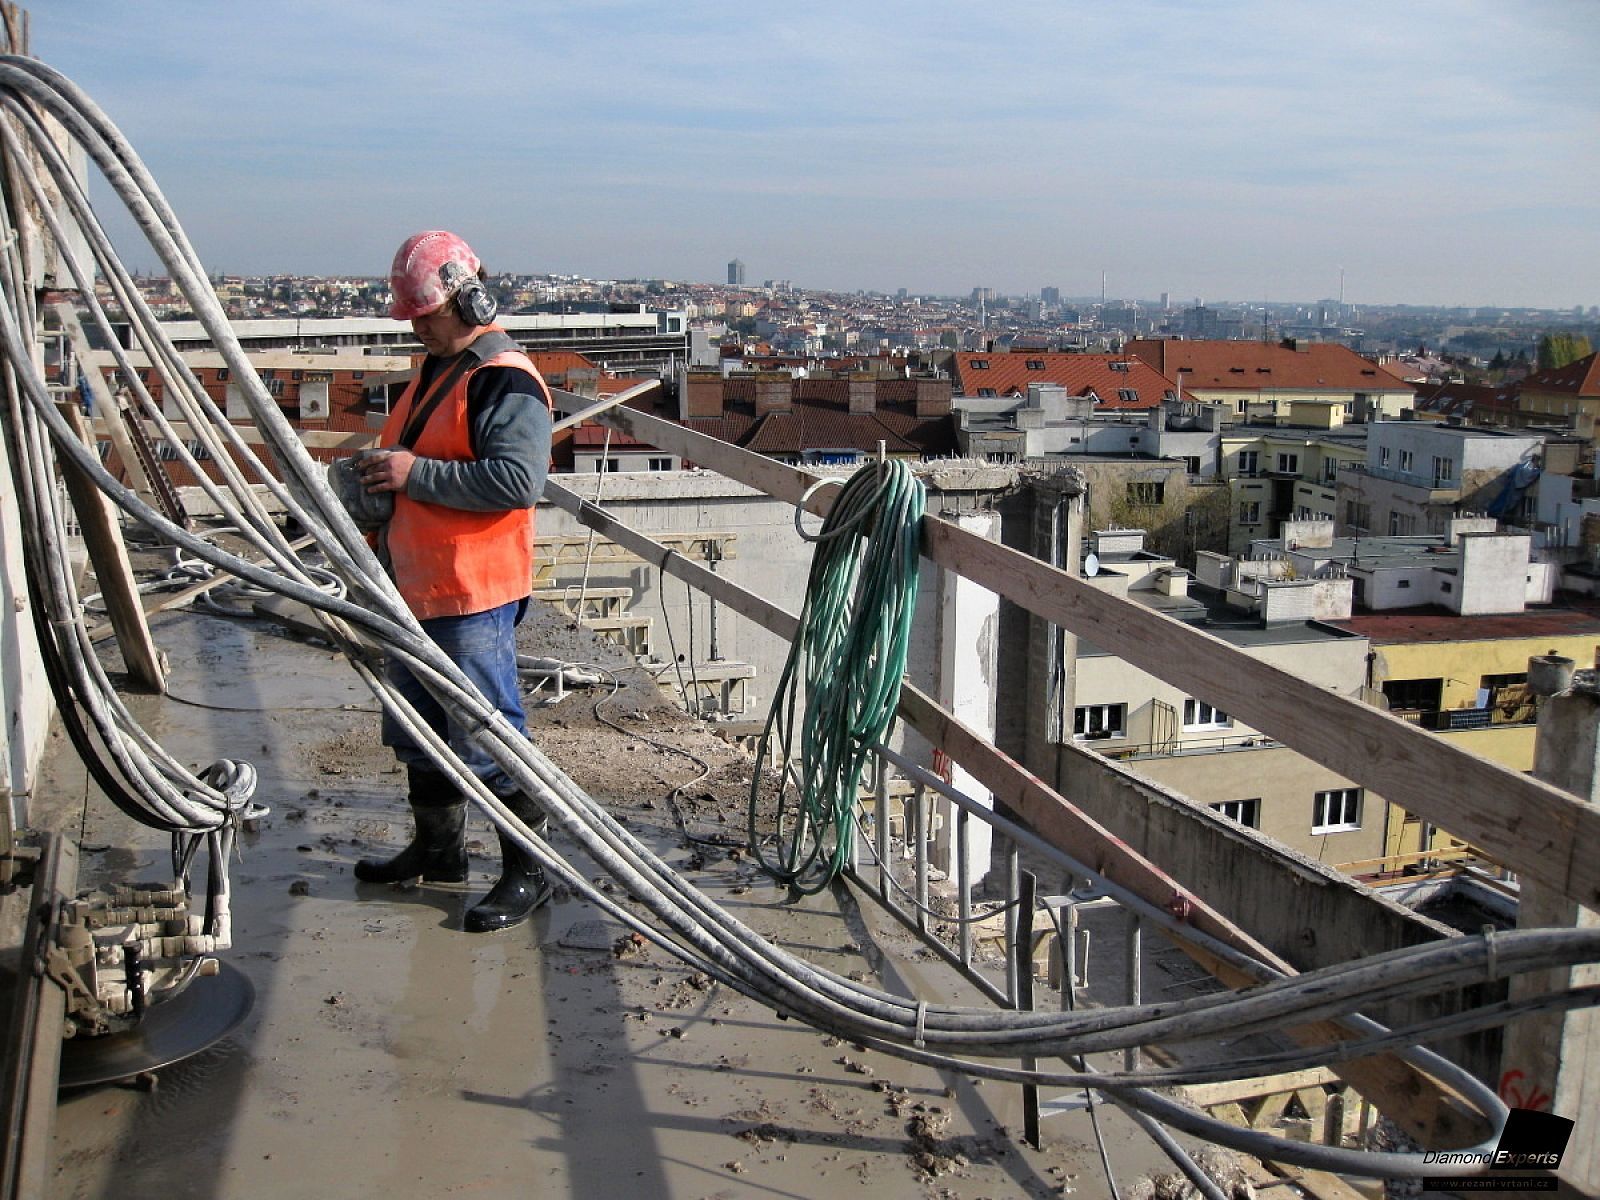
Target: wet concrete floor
x,y
389,1054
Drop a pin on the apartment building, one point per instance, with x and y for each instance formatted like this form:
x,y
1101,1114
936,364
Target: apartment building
x,y
1260,380
1287,470
1568,395
1108,381
1418,475
1189,744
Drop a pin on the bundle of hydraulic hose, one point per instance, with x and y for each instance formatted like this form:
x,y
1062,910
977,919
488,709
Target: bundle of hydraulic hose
x,y
850,654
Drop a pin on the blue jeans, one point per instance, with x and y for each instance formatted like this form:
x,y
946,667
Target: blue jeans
x,y
484,646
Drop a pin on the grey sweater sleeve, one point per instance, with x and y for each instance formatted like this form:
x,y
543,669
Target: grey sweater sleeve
x,y
510,433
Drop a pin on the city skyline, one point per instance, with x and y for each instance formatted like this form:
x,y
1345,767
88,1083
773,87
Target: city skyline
x,y
1436,154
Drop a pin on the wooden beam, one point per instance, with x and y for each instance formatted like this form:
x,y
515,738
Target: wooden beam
x,y
1208,1095
183,595
1527,825
113,571
314,439
108,412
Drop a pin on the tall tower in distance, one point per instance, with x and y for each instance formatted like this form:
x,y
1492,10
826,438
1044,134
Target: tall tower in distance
x,y
736,273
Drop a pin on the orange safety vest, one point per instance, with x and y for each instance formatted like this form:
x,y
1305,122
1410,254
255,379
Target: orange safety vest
x,y
449,562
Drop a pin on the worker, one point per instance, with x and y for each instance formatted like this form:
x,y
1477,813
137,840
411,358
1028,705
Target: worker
x,y
466,451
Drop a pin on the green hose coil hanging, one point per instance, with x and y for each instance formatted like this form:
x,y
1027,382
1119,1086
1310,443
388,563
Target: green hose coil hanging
x,y
850,651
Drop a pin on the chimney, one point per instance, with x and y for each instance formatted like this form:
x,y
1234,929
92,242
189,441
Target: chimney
x,y
773,392
933,398
700,395
863,393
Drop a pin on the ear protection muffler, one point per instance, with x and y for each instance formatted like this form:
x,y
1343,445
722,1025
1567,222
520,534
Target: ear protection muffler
x,y
473,302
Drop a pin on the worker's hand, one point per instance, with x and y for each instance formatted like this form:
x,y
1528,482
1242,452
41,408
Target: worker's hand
x,y
386,470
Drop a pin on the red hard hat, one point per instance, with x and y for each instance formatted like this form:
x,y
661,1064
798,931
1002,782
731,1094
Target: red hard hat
x,y
416,280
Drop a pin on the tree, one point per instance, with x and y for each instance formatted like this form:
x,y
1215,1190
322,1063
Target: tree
x,y
1559,349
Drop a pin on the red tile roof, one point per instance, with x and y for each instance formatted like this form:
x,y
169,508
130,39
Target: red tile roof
x,y
1467,400
1581,378
1258,366
1009,374
819,417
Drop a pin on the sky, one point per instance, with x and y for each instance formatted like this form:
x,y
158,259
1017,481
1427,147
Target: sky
x,y
1442,152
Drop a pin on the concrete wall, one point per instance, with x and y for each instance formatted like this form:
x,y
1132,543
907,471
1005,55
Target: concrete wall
x,y
1494,574
1285,782
28,705
1302,909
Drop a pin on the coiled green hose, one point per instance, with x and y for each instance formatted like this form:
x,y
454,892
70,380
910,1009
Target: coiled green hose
x,y
855,625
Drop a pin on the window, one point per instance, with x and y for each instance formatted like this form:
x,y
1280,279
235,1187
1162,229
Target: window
x,y
1336,811
1383,456
198,450
1402,524
1405,460
1250,512
1444,470
1414,695
1093,722
296,376
1197,714
1357,514
1246,812
222,374
1402,583
602,465
980,364
1036,364
1128,395
986,393
1330,470
1249,462
660,464
1288,464
1191,463
1146,493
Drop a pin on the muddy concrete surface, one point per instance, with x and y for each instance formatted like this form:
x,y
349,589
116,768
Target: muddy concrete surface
x,y
389,1054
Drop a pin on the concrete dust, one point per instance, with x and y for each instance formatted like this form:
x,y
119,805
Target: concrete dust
x,y
391,1055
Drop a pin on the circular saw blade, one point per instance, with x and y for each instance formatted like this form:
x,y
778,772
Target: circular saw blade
x,y
206,1011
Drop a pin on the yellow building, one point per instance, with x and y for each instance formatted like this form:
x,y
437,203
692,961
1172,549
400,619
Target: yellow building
x,y
1464,678
1568,395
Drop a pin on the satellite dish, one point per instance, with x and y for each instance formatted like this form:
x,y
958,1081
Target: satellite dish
x,y
1091,564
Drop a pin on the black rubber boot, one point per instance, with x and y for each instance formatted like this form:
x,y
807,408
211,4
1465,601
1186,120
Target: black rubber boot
x,y
438,852
522,886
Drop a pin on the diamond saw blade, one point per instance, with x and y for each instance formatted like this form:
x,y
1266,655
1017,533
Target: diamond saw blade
x,y
205,1012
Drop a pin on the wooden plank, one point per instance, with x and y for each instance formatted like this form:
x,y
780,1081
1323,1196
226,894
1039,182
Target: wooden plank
x,y
1415,1100
108,412
112,569
1268,1110
314,439
1535,829
718,587
1209,1095
594,409
184,595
